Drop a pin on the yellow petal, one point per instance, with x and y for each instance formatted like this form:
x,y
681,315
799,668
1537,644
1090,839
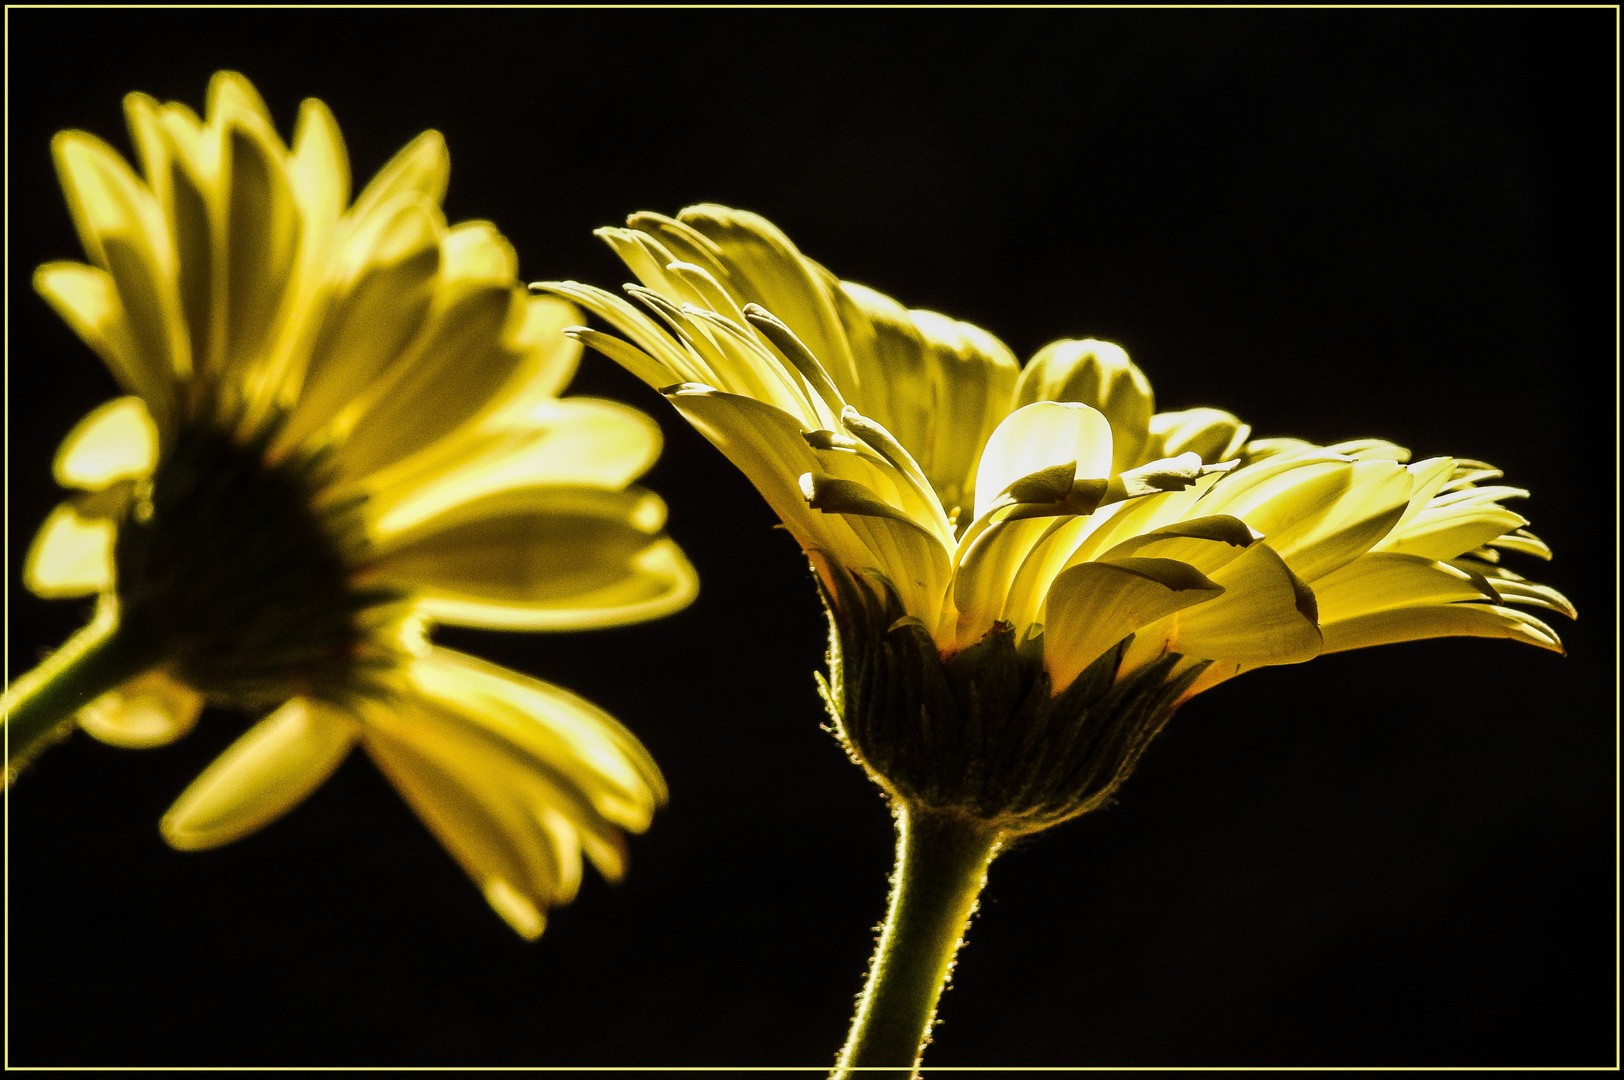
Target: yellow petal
x,y
986,569
319,168
1265,616
1446,530
554,728
153,709
170,148
575,442
1321,540
1382,581
1099,374
371,320
549,558
513,776
766,268
261,776
1206,543
87,299
1214,434
123,233
421,168
767,446
454,372
1094,605
972,383
116,441
1040,436
262,235
70,556
1442,620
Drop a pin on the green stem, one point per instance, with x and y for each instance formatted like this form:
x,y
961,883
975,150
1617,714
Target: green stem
x,y
942,859
40,704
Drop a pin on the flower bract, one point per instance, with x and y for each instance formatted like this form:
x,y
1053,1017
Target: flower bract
x,y
342,425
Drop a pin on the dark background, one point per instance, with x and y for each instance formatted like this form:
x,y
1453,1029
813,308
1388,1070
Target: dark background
x,y
1334,223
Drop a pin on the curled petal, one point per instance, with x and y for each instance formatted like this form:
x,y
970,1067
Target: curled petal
x,y
1099,374
515,777
153,709
1266,615
1038,436
1094,605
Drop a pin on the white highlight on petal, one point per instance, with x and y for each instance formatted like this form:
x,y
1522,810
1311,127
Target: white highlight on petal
x,y
116,441
1041,436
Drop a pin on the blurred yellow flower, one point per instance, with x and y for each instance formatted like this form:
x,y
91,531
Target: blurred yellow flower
x,y
1047,513
342,427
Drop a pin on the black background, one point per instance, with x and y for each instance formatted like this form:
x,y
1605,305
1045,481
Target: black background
x,y
1335,223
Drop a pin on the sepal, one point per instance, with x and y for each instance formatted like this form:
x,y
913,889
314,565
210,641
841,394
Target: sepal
x,y
980,731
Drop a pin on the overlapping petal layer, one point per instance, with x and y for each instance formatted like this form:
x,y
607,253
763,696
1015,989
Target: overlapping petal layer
x,y
909,448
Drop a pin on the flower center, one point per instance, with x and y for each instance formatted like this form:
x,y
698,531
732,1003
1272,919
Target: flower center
x,y
227,560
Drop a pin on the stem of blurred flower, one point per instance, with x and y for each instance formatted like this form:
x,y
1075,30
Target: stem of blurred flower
x,y
942,859
95,660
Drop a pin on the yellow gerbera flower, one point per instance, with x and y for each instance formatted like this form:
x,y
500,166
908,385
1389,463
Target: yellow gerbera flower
x,y
342,426
1028,569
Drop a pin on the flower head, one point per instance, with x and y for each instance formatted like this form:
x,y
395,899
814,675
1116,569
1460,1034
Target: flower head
x,y
1027,569
343,426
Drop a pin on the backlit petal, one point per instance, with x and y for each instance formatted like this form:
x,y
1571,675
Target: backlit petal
x,y
1094,605
261,776
544,558
153,709
70,556
116,441
1039,436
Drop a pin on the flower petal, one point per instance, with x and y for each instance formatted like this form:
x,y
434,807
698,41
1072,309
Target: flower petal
x,y
71,555
1039,436
264,774
574,442
972,376
1441,620
1266,615
1214,434
422,168
515,777
543,558
116,441
1094,605
981,583
122,229
554,728
152,709
1099,374
376,313
1383,580
455,370
87,299
765,268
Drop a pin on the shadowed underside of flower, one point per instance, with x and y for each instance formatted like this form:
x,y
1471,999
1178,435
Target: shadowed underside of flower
x,y
987,533
343,426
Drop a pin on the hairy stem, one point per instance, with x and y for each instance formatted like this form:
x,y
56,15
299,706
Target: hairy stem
x,y
942,859
40,704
